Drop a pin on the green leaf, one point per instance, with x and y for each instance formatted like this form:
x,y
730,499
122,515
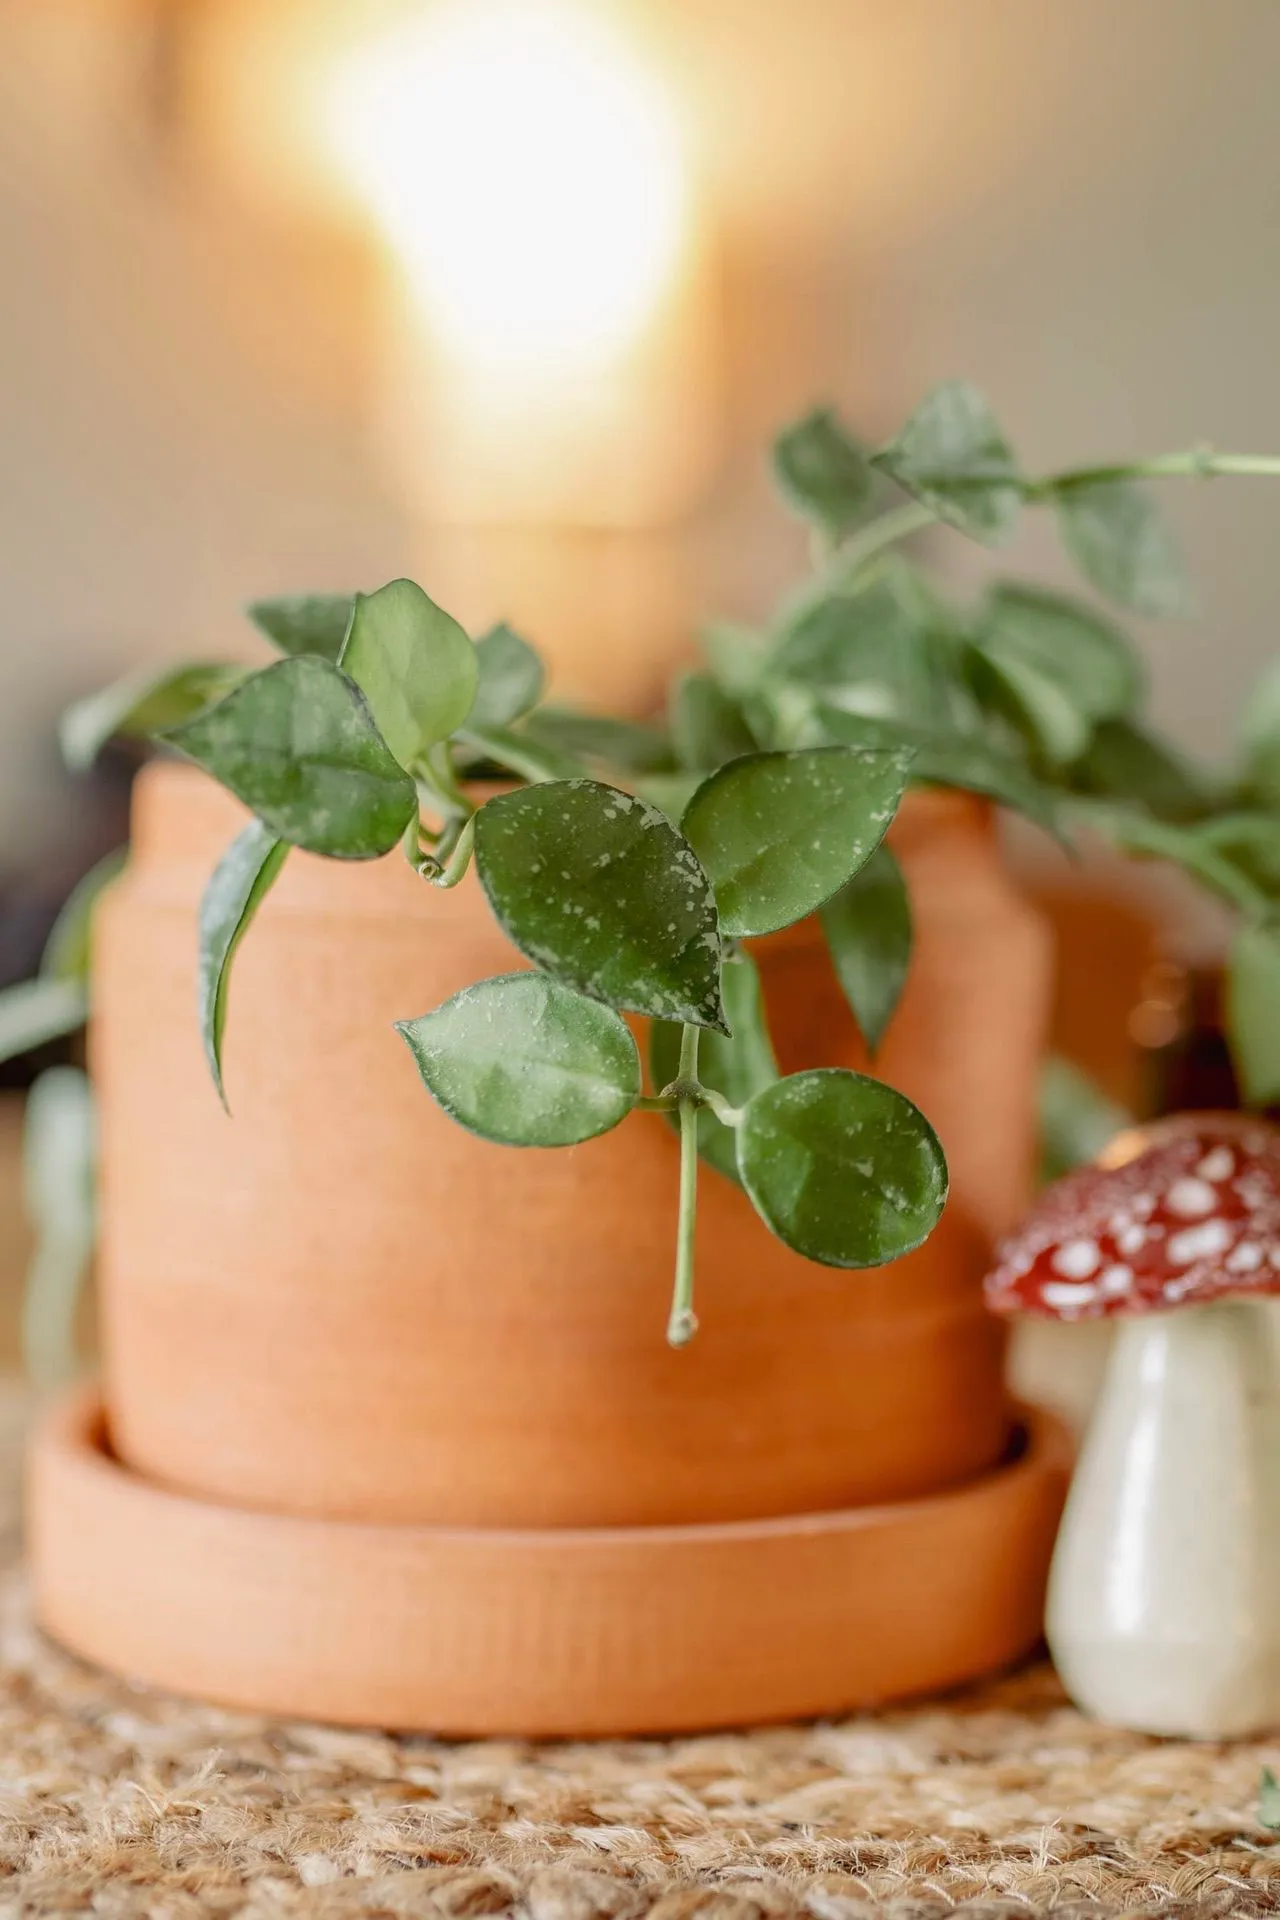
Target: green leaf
x,y
952,456
305,622
59,1165
708,726
511,678
67,950
867,926
823,473
415,666
297,744
1125,762
736,1066
1250,841
598,888
670,792
1038,708
526,1062
735,655
1186,847
234,892
842,1168
625,744
1253,1011
37,1011
779,833
1077,1119
974,765
1269,1801
1122,544
1093,663
873,653
513,749
144,703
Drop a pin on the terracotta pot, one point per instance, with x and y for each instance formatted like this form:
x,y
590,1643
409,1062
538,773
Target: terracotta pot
x,y
338,1303
482,1631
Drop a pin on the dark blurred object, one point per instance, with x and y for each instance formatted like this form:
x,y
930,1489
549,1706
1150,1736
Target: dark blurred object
x,y
1187,1057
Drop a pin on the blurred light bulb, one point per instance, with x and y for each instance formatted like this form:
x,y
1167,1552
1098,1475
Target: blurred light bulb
x,y
527,168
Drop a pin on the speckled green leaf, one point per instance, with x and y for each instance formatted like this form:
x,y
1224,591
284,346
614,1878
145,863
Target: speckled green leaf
x,y
527,1062
144,703
415,666
822,473
599,889
1123,545
298,745
305,622
867,926
736,1066
779,833
511,678
953,457
842,1168
235,890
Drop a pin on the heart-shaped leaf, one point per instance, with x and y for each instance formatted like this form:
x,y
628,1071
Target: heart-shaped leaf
x,y
298,745
708,726
842,1168
415,666
823,473
37,1011
952,456
598,888
235,890
144,703
868,933
736,1066
1253,1011
305,622
526,1062
1123,545
511,678
779,833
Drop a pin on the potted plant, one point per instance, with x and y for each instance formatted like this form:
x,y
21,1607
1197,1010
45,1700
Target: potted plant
x,y
343,1311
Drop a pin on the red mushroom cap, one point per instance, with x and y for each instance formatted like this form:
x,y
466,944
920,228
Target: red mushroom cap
x,y
1185,1210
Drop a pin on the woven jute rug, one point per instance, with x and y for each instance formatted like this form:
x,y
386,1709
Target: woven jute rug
x,y
999,1802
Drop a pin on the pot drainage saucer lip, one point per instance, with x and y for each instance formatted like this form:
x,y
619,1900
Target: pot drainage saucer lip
x,y
554,1633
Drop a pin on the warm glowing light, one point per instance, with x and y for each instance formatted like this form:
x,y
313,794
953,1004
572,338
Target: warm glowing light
x,y
527,167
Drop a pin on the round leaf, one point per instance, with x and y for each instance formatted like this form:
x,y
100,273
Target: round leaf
x,y
414,664
736,1066
952,456
305,622
526,1062
868,933
235,890
842,1168
599,889
297,744
511,678
1122,544
779,833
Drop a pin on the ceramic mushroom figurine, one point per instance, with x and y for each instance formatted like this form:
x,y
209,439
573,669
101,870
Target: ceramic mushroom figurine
x,y
1164,1598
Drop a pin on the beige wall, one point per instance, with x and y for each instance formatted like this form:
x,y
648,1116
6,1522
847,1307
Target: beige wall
x,y
1073,201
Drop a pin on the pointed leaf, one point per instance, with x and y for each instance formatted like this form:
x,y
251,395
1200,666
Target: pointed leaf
x,y
842,1168
823,473
779,833
952,456
1123,545
236,889
305,622
511,678
867,926
297,744
67,950
37,1011
1253,1012
1092,662
737,1067
1039,708
526,1062
415,666
598,888
144,703
707,724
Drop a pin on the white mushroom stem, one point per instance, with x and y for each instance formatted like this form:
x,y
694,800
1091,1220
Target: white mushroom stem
x,y
1164,1601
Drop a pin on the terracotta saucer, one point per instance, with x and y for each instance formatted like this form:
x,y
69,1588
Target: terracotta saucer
x,y
559,1632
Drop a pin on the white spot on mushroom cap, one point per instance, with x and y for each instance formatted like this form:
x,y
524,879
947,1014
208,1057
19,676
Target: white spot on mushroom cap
x,y
1203,1242
1189,1198
1115,1281
1075,1260
1218,1164
1131,1239
1063,1297
1246,1258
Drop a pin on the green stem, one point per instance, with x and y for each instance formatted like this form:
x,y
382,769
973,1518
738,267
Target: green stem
x,y
1196,463
458,859
848,560
683,1323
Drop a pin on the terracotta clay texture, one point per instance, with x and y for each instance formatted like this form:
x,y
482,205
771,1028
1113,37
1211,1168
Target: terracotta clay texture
x,y
338,1303
563,1631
